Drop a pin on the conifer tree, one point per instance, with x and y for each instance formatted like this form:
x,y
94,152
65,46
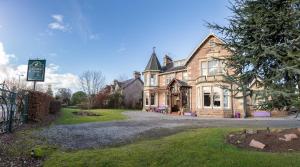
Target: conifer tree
x,y
264,39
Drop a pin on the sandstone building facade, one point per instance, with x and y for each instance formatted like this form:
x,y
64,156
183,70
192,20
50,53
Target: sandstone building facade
x,y
195,84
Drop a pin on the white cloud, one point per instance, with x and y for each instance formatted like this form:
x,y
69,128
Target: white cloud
x,y
94,36
58,18
4,58
56,26
52,76
58,23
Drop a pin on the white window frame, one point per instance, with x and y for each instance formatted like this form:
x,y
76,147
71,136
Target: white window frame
x,y
220,96
228,99
210,93
152,80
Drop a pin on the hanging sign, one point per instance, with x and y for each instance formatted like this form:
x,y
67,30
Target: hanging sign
x,y
36,70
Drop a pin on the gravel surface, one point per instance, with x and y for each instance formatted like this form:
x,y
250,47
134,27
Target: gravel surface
x,y
103,134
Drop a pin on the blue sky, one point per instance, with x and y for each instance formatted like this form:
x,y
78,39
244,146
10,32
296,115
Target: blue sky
x,y
113,36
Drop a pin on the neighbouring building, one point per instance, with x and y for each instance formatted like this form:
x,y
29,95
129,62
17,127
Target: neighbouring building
x,y
195,84
131,90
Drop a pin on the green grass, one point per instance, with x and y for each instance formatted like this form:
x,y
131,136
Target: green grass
x,y
67,117
201,147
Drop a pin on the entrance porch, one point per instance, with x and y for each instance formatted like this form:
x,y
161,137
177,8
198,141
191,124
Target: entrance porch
x,y
178,97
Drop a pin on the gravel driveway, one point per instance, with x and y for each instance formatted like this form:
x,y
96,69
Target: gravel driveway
x,y
103,134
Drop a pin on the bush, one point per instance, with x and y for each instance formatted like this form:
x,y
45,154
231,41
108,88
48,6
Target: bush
x,y
55,106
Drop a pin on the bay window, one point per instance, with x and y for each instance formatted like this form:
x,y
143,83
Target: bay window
x,y
214,97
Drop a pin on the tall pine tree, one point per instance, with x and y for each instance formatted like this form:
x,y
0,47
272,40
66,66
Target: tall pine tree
x,y
264,38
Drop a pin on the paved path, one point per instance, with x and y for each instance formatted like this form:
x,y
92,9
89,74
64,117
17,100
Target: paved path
x,y
102,134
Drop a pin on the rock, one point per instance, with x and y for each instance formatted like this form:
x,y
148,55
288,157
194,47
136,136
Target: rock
x,y
251,131
257,144
281,138
276,130
231,135
289,137
298,129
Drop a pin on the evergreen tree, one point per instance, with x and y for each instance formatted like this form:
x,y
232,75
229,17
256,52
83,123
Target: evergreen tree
x,y
264,38
49,90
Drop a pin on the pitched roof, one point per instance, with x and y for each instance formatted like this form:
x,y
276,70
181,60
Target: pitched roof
x,y
172,68
199,46
180,82
126,83
153,64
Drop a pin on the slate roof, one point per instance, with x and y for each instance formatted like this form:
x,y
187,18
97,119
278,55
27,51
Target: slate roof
x,y
180,82
153,64
126,83
170,68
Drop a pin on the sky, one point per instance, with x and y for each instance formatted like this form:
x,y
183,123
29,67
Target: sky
x,y
112,36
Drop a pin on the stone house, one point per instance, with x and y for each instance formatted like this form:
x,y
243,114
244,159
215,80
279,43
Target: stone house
x,y
195,84
131,90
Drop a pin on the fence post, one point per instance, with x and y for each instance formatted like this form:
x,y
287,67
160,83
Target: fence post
x,y
25,112
12,98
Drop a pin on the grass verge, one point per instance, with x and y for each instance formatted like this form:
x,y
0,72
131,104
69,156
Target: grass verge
x,y
67,117
200,147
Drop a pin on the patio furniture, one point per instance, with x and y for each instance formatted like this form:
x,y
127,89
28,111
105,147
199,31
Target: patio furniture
x,y
237,115
162,109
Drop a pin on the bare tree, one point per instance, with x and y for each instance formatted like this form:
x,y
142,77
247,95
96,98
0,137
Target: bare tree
x,y
122,77
92,82
64,94
18,84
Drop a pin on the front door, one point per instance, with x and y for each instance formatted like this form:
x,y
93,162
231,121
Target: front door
x,y
175,103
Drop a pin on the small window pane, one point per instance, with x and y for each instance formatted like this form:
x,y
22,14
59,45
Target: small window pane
x,y
185,76
152,80
226,96
152,98
213,67
216,98
203,68
206,99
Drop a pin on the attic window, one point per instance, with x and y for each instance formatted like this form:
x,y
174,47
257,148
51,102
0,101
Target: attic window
x,y
212,44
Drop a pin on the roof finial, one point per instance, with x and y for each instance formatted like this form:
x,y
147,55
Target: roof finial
x,y
153,49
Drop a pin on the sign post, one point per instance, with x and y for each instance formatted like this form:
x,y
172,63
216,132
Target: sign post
x,y
36,71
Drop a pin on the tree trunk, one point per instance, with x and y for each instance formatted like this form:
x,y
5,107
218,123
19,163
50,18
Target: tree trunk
x,y
245,102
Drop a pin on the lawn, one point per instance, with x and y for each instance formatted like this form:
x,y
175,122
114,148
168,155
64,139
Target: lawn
x,y
201,147
67,117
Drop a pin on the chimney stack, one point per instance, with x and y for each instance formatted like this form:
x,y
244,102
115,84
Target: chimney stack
x,y
136,74
167,60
